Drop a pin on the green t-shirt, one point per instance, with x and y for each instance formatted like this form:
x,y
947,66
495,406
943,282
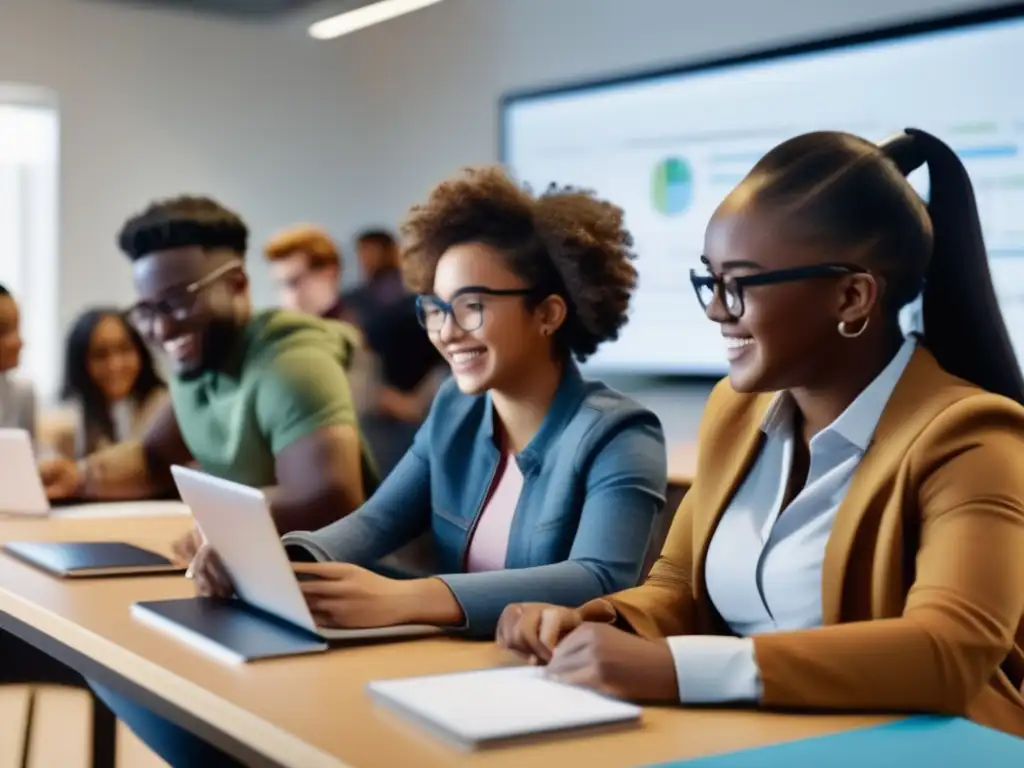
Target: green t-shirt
x,y
288,382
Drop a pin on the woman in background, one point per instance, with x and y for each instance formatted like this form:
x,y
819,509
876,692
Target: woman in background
x,y
109,380
17,396
854,537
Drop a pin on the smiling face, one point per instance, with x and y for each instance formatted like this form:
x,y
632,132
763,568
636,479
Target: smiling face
x,y
194,328
113,362
787,334
511,340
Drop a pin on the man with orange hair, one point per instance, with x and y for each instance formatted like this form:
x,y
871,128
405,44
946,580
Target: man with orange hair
x,y
306,265
394,378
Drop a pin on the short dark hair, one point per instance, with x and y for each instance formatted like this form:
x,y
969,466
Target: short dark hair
x,y
182,222
852,196
565,241
4,291
381,237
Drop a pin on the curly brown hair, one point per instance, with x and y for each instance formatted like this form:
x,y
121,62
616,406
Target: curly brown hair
x,y
565,241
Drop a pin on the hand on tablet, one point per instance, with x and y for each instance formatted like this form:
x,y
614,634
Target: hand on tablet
x,y
187,546
345,596
535,629
61,478
210,577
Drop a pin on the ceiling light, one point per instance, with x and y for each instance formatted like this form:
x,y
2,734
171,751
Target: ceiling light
x,y
367,16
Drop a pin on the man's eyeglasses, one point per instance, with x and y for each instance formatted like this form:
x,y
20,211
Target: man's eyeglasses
x,y
178,306
466,307
730,289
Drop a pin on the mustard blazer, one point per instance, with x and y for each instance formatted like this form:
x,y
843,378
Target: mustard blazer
x,y
923,579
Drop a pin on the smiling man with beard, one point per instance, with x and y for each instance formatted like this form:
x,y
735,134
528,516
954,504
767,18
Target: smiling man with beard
x,y
257,397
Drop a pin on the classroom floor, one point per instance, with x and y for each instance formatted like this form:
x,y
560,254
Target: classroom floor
x,y
61,731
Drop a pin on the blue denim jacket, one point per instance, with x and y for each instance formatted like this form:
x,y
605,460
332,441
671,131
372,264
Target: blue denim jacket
x,y
594,479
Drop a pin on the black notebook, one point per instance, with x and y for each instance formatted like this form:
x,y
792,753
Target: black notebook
x,y
230,629
91,559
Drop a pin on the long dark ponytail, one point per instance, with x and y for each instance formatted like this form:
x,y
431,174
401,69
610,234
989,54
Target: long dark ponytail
x,y
963,326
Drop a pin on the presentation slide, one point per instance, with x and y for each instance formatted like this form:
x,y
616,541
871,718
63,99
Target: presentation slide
x,y
668,149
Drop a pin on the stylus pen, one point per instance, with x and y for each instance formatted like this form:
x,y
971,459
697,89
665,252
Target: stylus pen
x,y
190,572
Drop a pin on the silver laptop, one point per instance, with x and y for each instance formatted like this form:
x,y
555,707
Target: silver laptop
x,y
235,520
21,488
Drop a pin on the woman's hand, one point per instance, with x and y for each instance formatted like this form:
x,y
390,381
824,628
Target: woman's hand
x,y
186,548
208,572
61,478
346,596
534,629
616,663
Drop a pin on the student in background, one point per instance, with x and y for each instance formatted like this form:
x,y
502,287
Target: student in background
x,y
110,382
409,371
17,396
536,484
378,254
854,542
306,266
260,398
389,374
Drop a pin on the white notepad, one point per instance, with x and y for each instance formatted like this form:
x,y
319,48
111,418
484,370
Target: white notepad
x,y
474,709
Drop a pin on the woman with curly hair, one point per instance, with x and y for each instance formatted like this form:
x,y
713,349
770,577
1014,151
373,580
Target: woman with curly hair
x,y
535,484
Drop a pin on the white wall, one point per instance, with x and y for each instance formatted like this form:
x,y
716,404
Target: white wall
x,y
431,104
347,132
156,104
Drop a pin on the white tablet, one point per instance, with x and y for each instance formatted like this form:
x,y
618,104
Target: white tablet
x,y
235,520
21,487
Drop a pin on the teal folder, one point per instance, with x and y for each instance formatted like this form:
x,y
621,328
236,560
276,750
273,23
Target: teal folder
x,y
916,741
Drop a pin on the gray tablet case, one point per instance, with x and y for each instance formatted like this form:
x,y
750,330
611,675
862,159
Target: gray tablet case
x,y
229,629
91,559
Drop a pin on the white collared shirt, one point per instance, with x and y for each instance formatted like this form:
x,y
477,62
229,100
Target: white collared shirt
x,y
763,568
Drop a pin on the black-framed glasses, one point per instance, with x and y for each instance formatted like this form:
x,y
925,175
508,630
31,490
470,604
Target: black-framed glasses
x,y
179,305
466,307
730,289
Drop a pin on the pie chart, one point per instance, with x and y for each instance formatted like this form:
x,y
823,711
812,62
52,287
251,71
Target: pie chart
x,y
672,186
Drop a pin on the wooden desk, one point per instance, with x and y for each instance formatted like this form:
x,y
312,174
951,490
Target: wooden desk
x,y
682,464
313,711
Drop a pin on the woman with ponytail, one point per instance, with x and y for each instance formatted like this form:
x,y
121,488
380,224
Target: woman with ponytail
x,y
854,539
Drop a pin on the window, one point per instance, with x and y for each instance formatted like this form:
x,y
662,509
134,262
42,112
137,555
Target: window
x,y
29,156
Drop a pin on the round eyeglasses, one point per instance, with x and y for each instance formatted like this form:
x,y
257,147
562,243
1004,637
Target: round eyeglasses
x,y
466,308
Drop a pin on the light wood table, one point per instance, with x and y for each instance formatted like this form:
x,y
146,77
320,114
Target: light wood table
x,y
682,464
313,711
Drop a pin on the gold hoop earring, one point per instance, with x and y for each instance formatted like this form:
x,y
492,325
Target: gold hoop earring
x,y
846,333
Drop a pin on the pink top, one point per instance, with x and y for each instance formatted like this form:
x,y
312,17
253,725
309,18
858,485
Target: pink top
x,y
490,539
